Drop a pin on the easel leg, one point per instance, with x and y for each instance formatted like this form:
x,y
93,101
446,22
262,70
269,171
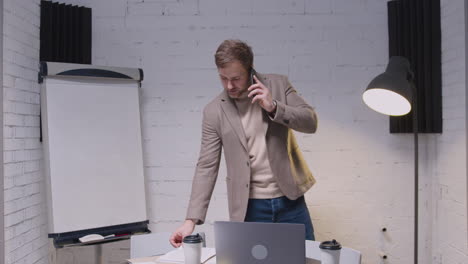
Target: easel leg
x,y
99,256
52,254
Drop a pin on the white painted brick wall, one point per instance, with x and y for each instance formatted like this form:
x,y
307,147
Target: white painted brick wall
x,y
330,49
450,244
25,217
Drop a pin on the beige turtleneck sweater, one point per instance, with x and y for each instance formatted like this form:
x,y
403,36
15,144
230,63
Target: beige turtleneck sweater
x,y
262,182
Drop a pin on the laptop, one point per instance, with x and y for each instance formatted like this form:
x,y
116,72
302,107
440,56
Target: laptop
x,y
252,242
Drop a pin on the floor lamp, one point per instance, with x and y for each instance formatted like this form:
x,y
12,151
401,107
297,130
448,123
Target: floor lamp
x,y
394,93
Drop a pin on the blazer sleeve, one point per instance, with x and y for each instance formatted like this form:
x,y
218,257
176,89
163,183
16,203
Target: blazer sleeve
x,y
207,168
294,112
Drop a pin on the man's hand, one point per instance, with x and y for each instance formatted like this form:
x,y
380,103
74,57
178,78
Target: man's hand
x,y
184,230
262,95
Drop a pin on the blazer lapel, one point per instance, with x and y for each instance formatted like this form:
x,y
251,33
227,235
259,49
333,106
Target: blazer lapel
x,y
230,110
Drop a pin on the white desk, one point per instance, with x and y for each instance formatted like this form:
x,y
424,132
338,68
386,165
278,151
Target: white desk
x,y
154,260
313,255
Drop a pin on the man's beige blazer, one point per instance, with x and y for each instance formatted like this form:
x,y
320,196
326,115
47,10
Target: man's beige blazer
x,y
222,128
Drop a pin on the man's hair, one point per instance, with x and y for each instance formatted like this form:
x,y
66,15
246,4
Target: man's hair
x,y
231,50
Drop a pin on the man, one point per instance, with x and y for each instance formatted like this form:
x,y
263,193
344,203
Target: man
x,y
252,120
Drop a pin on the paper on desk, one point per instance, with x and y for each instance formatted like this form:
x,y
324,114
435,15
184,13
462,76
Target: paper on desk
x,y
177,255
145,260
211,260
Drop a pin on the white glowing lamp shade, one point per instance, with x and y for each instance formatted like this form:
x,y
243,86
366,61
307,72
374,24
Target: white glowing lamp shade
x,y
390,93
386,102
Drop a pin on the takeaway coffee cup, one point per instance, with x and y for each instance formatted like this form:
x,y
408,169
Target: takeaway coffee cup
x,y
192,249
330,251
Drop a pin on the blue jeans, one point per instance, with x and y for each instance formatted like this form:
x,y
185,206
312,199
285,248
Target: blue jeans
x,y
280,210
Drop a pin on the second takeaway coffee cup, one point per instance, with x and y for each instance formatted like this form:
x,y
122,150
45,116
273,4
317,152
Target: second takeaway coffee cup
x,y
330,252
192,249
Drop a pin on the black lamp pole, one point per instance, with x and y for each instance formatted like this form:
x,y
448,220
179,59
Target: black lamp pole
x,y
416,169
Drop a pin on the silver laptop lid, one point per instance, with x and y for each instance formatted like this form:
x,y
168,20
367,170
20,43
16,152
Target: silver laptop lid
x,y
272,243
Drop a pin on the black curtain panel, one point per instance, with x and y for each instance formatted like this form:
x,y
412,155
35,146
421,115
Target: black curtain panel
x,y
415,33
65,33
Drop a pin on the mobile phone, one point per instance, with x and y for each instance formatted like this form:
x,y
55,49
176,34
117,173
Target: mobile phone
x,y
252,73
